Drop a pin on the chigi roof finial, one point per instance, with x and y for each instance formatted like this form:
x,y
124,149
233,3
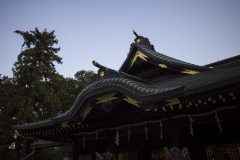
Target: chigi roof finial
x,y
142,40
135,33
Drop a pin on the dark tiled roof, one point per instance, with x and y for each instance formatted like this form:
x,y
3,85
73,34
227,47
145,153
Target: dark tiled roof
x,y
203,79
132,88
157,91
159,58
224,61
137,89
43,123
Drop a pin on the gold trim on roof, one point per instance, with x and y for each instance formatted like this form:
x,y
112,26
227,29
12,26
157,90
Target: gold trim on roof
x,y
86,111
106,98
140,55
164,109
172,101
18,134
64,124
101,74
187,71
94,62
131,101
162,65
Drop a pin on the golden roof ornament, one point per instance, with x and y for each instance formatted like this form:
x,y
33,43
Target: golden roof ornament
x,y
137,36
135,33
143,40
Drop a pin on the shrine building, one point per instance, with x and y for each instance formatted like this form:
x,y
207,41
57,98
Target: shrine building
x,y
153,101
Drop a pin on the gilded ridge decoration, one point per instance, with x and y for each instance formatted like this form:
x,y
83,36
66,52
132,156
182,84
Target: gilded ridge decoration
x,y
140,55
106,98
18,134
162,65
64,124
131,101
101,74
186,71
86,111
173,101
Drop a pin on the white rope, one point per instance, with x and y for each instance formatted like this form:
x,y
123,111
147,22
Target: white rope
x,y
156,121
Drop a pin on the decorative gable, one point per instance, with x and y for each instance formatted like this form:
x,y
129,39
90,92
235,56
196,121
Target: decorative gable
x,y
144,62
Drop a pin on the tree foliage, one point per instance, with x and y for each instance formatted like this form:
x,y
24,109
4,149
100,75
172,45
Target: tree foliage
x,y
36,91
40,87
73,86
7,101
83,78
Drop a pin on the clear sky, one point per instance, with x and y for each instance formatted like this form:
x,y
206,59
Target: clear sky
x,y
198,32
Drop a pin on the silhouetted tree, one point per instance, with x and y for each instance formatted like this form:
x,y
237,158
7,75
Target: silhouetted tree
x,y
7,103
73,87
39,86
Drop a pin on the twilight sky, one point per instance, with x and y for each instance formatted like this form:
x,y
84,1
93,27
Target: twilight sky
x,y
198,32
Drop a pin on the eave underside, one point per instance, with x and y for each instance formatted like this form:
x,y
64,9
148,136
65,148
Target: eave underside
x,y
123,114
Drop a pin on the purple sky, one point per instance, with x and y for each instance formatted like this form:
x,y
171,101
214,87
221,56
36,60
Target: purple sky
x,y
198,32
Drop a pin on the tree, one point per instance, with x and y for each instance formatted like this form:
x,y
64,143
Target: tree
x,y
83,77
7,101
39,86
73,86
36,91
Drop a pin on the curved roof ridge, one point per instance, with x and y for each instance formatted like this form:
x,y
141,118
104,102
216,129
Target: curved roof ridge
x,y
160,56
137,90
123,85
143,44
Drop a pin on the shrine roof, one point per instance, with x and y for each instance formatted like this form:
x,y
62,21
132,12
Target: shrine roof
x,y
235,59
160,90
142,90
203,79
39,124
143,44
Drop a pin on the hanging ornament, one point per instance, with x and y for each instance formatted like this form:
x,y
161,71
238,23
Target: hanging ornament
x,y
191,128
218,122
117,138
129,134
83,141
161,125
146,131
